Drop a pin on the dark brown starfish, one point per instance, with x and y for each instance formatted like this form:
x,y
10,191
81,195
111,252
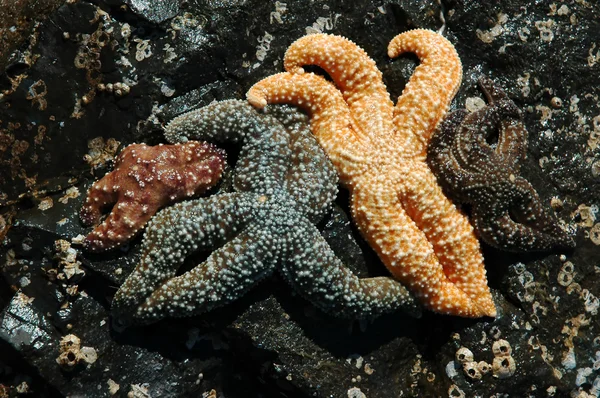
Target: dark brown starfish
x,y
507,212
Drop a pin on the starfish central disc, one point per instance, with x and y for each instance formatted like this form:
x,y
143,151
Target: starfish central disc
x,y
380,150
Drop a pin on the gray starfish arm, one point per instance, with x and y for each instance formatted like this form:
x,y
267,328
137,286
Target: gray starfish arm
x,y
226,275
223,121
265,152
173,234
311,179
319,276
516,220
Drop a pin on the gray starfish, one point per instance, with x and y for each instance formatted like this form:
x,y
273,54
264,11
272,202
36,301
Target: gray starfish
x,y
283,184
506,210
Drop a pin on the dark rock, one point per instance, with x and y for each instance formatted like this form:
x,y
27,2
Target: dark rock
x,y
17,20
153,11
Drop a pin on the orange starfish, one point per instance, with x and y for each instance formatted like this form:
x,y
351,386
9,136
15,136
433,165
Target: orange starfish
x,y
380,154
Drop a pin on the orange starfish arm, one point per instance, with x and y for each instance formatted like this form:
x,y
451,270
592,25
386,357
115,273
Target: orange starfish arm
x,y
427,95
400,244
331,121
355,74
448,230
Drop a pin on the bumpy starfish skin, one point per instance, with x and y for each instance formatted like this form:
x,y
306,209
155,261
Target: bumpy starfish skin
x,y
145,179
507,211
380,154
283,184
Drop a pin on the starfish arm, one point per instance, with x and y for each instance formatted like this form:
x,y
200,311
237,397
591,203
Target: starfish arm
x,y
355,74
427,95
511,148
319,276
512,139
514,219
173,234
331,121
449,232
222,121
125,221
458,152
100,196
410,257
441,157
226,275
264,139
311,179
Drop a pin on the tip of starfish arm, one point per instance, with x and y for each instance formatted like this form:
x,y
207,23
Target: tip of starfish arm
x,y
255,99
489,310
486,306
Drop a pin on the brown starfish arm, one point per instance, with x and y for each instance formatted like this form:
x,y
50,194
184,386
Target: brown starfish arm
x,y
124,222
427,95
512,138
100,196
514,219
512,143
400,244
331,122
355,74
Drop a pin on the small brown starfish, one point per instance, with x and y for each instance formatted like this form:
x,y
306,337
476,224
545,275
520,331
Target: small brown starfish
x,y
145,179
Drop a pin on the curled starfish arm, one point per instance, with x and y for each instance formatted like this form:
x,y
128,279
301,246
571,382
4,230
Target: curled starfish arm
x,y
320,277
145,179
354,73
462,159
470,145
441,157
514,219
173,234
511,148
236,121
226,275
400,244
331,120
428,94
512,138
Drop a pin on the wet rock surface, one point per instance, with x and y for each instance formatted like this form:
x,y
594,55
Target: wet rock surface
x,y
103,74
